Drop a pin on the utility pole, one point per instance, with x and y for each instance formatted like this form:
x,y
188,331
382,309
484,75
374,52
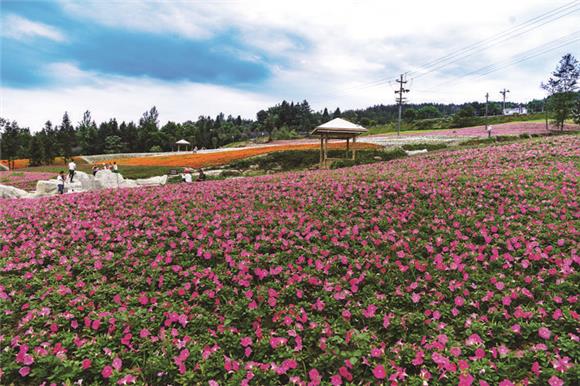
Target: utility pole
x,y
487,128
400,100
503,92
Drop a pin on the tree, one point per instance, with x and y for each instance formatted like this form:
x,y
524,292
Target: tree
x,y
561,87
113,144
66,137
87,135
49,142
10,144
428,112
325,115
410,115
464,117
336,113
148,127
576,112
36,150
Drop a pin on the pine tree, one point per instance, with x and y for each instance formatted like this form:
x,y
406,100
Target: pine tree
x,y
336,113
66,137
36,151
562,86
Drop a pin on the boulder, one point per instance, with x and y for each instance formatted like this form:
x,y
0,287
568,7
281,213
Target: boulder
x,y
87,180
50,187
46,187
106,179
152,181
413,152
12,192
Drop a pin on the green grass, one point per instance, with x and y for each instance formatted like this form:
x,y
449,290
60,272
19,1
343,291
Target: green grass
x,y
126,171
304,159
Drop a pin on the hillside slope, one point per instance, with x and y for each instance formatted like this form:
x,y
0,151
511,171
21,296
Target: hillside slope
x,y
454,267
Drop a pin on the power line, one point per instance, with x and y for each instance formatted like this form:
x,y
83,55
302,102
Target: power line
x,y
521,57
465,53
475,45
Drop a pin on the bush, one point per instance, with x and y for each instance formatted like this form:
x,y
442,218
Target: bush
x,y
428,146
432,124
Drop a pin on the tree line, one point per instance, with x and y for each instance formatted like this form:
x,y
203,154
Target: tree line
x,y
285,120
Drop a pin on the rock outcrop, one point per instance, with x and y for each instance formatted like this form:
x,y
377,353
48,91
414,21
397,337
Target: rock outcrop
x,y
152,181
12,192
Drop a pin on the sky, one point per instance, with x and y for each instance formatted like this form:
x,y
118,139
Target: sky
x,y
191,58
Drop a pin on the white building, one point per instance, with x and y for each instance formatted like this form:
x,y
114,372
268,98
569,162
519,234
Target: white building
x,y
515,111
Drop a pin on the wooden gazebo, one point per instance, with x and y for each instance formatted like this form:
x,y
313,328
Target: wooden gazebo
x,y
182,142
337,128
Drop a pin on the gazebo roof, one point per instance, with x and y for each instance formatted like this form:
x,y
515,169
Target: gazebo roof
x,y
339,127
182,142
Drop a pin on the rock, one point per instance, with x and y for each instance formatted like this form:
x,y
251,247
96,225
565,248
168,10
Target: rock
x,y
377,158
46,187
152,181
231,173
413,152
106,179
213,173
87,180
254,167
50,187
12,192
276,167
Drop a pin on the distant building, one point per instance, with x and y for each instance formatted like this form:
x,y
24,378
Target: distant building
x,y
515,111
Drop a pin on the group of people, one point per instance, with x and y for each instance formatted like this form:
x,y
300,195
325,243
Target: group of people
x,y
106,166
187,177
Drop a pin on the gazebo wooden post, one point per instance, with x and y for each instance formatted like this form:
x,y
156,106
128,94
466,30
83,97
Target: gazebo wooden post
x,y
347,146
353,148
321,151
326,150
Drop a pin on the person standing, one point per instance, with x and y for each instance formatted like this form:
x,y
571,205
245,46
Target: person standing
x,y
60,182
489,131
95,170
115,168
72,167
187,176
201,176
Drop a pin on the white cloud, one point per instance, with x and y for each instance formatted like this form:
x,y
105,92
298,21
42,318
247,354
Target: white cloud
x,y
17,27
123,98
332,53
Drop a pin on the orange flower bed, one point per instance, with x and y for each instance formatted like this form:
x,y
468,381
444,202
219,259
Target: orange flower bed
x,y
58,161
225,157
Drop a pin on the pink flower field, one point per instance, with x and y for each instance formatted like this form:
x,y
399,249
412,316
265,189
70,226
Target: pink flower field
x,y
453,268
512,128
23,180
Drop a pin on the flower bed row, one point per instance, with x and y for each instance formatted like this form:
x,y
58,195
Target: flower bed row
x,y
450,268
23,180
226,156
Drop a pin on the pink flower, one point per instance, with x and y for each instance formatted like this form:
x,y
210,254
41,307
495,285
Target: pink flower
x,y
544,333
107,372
117,363
555,381
459,301
506,382
379,372
246,341
24,371
86,363
336,380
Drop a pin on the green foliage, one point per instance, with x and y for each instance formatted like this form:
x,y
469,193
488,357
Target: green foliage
x,y
113,144
36,151
428,112
155,149
428,146
561,106
432,124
